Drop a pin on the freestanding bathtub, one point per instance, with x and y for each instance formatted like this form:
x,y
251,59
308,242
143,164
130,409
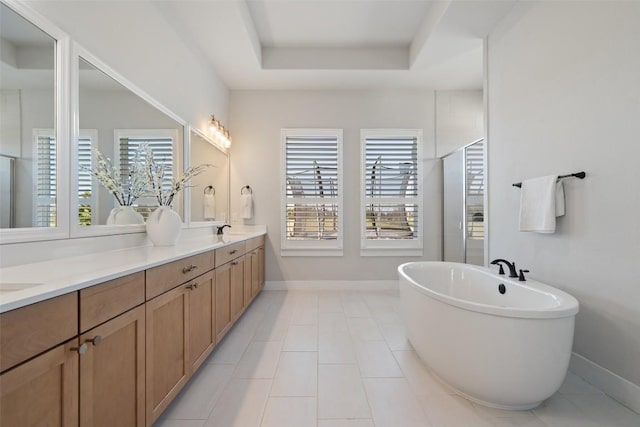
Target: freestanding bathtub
x,y
507,350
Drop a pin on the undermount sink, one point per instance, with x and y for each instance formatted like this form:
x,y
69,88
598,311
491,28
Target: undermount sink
x,y
12,287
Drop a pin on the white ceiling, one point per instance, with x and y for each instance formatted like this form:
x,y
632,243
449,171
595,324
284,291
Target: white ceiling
x,y
339,44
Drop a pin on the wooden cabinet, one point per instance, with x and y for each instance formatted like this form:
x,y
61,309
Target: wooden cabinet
x,y
180,335
167,347
237,288
117,353
223,300
112,372
202,320
42,391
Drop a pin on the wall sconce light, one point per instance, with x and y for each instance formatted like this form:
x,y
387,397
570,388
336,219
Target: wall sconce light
x,y
219,132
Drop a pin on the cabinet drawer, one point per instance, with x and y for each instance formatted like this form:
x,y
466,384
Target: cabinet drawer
x,y
30,330
254,243
107,300
165,277
226,254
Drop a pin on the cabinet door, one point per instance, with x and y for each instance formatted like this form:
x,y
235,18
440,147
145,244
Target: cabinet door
x,y
261,267
112,372
202,333
223,300
237,288
247,280
255,273
42,391
167,349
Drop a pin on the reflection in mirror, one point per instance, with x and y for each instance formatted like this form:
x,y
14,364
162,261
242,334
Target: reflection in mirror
x,y
28,185
210,189
116,122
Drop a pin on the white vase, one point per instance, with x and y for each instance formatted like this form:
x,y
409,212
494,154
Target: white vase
x,y
124,215
163,226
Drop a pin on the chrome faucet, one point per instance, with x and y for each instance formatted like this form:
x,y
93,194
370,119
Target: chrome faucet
x,y
221,228
511,266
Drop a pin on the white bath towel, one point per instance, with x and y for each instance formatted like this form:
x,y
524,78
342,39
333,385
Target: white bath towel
x,y
246,206
541,201
209,206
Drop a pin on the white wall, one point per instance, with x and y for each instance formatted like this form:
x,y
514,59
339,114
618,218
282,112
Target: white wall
x,y
256,118
134,38
459,119
564,96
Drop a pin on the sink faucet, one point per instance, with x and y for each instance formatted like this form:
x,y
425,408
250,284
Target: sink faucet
x,y
221,228
510,266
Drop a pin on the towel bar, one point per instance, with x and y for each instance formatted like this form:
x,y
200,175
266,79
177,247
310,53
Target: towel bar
x,y
580,175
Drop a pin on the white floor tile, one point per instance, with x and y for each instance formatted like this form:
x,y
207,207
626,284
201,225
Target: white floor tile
x,y
355,308
336,348
231,348
301,338
259,360
573,384
393,404
421,380
197,399
385,314
330,323
603,410
445,410
296,375
241,404
558,411
341,393
395,335
178,423
304,315
290,412
364,329
330,304
376,360
345,423
271,329
502,417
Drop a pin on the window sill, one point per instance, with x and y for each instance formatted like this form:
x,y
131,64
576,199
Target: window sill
x,y
310,252
389,251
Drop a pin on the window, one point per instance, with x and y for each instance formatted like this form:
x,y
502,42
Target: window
x,y
162,143
87,187
45,177
391,186
312,192
474,158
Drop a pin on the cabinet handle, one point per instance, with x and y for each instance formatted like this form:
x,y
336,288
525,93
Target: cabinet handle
x,y
82,349
192,286
95,340
234,263
232,252
190,268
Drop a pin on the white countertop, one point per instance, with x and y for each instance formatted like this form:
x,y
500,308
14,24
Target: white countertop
x,y
26,284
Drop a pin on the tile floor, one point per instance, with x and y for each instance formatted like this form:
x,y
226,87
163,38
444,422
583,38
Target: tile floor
x,y
341,359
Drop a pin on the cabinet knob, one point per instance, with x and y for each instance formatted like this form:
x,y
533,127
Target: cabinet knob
x,y
234,263
232,252
82,349
192,286
190,268
95,340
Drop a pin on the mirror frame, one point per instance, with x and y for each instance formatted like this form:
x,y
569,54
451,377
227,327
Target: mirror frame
x,y
62,131
103,230
188,193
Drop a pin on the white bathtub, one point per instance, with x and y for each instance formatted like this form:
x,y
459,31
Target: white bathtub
x,y
507,351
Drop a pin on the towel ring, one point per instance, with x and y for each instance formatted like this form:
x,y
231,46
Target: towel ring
x,y
210,189
247,188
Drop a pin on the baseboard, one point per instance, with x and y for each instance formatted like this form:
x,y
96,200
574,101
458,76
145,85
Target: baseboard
x,y
331,285
622,390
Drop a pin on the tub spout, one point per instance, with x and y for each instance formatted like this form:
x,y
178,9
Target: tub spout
x,y
510,265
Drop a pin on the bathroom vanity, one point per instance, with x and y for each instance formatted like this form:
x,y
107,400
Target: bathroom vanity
x,y
115,341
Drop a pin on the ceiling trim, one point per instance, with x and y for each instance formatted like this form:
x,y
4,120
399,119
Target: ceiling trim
x,y
436,12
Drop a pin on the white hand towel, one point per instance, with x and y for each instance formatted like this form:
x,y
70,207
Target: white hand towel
x,y
541,201
246,206
209,204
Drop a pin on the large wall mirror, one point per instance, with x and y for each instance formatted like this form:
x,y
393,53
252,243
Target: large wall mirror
x,y
116,122
210,189
29,179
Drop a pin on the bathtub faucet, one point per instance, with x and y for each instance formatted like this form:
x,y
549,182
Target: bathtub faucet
x,y
510,265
